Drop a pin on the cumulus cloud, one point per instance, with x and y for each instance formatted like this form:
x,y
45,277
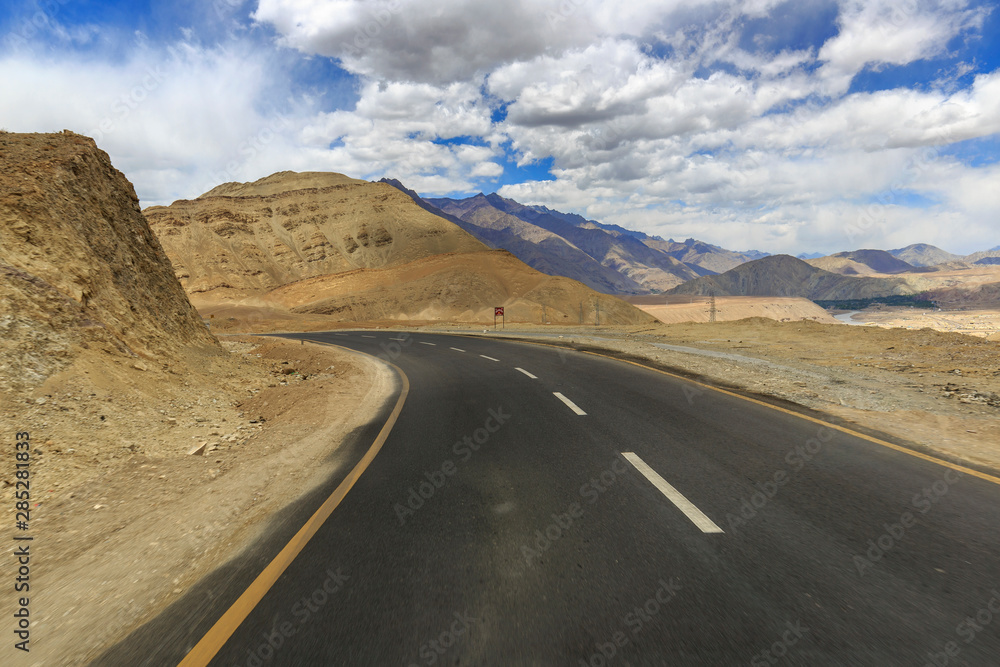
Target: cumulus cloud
x,y
671,117
890,32
456,40
174,114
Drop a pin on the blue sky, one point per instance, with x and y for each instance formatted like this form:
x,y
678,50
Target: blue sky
x,y
819,125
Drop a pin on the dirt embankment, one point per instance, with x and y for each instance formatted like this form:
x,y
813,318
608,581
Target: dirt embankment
x,y
125,519
81,273
155,453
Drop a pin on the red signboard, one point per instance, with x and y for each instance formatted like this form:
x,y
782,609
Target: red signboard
x,y
498,311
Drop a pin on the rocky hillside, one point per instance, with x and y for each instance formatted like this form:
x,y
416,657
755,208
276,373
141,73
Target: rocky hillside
x,y
783,275
80,268
607,258
923,254
241,239
861,263
456,287
540,249
350,250
705,256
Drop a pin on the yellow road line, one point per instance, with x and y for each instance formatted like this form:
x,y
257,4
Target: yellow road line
x,y
877,441
219,634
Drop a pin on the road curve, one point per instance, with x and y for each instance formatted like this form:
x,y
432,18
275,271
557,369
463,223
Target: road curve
x,y
537,506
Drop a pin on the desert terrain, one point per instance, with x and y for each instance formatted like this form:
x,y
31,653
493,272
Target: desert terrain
x,y
982,323
162,447
157,451
677,309
355,251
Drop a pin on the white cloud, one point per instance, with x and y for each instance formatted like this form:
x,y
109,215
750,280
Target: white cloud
x,y
402,130
890,32
176,116
457,40
656,115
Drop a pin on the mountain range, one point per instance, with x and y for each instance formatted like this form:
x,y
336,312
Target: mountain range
x,y
615,260
319,243
785,276
606,258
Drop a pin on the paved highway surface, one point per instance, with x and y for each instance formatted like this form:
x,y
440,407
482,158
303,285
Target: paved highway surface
x,y
534,506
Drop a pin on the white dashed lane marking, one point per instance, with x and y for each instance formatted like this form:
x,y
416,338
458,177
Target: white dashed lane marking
x,y
526,373
457,349
673,495
570,404
490,358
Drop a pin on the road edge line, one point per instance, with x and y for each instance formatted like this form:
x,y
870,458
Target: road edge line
x,y
209,645
899,448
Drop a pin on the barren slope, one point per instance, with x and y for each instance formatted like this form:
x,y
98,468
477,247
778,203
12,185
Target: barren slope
x,y
783,275
536,246
923,254
731,308
353,251
861,262
80,268
458,287
243,239
710,258
609,260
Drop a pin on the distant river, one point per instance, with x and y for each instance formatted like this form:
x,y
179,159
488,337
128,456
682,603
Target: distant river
x,y
846,318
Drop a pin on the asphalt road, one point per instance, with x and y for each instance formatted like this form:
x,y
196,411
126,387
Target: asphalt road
x,y
498,525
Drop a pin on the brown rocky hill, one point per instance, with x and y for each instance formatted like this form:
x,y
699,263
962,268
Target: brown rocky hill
x,y
242,239
457,287
924,254
80,268
861,263
352,251
609,259
783,275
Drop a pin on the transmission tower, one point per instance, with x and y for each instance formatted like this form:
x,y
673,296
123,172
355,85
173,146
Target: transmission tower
x,y
712,310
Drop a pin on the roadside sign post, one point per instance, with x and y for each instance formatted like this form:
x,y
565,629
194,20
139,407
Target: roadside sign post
x,y
498,311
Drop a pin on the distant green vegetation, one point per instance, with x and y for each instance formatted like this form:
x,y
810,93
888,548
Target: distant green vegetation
x,y
911,300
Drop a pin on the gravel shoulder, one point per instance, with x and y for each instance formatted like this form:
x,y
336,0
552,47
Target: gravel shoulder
x,y
125,518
